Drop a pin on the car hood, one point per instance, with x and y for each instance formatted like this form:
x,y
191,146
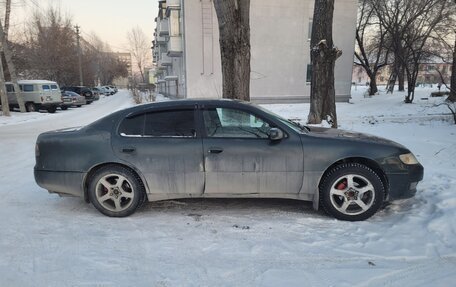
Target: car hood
x,y
354,136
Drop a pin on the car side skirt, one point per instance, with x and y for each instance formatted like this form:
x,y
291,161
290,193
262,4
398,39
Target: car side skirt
x,y
167,196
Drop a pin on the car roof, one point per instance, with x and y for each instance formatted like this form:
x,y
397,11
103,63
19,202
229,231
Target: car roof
x,y
185,103
22,82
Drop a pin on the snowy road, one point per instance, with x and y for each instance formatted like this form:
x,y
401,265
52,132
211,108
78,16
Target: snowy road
x,y
50,241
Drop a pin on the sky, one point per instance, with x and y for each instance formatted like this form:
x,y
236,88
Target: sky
x,y
109,19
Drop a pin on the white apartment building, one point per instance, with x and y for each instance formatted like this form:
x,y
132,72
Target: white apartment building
x,y
187,53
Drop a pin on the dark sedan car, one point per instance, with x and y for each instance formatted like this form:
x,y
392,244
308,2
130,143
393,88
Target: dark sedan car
x,y
224,149
81,90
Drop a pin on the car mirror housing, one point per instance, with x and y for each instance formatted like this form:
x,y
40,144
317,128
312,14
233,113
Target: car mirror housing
x,y
275,134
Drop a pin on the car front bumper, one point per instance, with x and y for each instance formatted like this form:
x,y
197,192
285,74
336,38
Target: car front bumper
x,y
403,185
63,183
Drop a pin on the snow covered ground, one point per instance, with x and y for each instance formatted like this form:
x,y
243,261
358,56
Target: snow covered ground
x,y
50,241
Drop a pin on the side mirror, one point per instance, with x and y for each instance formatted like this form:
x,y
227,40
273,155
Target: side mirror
x,y
275,134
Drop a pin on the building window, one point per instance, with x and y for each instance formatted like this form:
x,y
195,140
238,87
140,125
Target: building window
x,y
309,32
309,73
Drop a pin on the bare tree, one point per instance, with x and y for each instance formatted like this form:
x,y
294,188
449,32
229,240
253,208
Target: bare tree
x,y
410,24
452,96
324,56
3,95
371,51
11,68
234,26
140,49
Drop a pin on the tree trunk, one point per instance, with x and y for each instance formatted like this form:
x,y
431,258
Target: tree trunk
x,y
3,95
452,96
401,78
373,84
234,26
11,69
7,17
324,56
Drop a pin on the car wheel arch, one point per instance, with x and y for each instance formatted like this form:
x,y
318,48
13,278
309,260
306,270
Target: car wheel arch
x,y
364,161
93,170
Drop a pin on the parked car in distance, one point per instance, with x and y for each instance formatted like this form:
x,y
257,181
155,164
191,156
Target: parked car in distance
x,y
114,88
71,99
109,90
81,90
96,93
103,91
37,95
222,149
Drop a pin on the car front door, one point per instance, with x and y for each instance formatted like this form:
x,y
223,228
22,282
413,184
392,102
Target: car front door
x,y
164,146
240,159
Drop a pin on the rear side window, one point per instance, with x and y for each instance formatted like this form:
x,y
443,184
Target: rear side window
x,y
46,88
132,126
26,88
177,123
9,88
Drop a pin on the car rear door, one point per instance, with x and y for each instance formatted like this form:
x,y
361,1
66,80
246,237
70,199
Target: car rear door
x,y
165,147
240,159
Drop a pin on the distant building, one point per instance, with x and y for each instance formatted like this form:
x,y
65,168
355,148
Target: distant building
x,y
186,49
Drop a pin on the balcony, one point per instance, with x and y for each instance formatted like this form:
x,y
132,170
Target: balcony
x,y
163,27
175,47
171,78
173,4
165,60
161,40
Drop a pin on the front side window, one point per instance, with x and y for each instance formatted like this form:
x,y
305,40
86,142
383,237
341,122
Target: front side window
x,y
46,88
54,87
232,123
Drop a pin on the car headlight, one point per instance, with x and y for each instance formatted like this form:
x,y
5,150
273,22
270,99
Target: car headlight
x,y
408,158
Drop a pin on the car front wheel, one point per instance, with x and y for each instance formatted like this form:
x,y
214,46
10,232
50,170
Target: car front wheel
x,y
116,191
352,192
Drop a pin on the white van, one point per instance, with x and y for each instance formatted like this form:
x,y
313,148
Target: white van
x,y
37,94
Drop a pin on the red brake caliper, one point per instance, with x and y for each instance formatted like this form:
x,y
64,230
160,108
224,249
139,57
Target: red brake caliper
x,y
342,185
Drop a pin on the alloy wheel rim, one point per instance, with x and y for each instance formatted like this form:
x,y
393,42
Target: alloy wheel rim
x,y
352,194
114,192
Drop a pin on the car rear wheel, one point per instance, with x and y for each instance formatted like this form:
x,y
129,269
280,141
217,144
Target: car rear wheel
x,y
30,107
52,109
64,108
116,191
351,192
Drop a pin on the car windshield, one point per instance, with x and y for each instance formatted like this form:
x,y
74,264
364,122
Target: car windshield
x,y
291,124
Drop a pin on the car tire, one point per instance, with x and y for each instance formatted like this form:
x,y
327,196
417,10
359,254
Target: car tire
x,y
64,108
31,107
116,191
78,106
352,192
52,109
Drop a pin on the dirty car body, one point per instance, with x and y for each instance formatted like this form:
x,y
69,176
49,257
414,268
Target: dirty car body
x,y
222,149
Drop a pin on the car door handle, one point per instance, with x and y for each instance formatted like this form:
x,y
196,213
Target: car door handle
x,y
128,149
215,150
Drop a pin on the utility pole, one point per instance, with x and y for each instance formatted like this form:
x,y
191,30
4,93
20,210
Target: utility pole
x,y
81,82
